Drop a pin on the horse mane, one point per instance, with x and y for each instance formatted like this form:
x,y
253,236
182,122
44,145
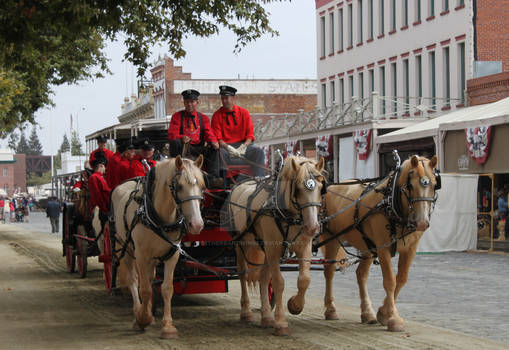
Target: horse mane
x,y
406,167
166,170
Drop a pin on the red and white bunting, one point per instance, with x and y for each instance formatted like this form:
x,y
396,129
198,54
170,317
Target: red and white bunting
x,y
362,141
478,143
324,146
291,148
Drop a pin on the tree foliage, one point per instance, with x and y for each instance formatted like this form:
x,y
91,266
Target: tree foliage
x,y
13,141
22,147
75,144
51,42
65,146
34,145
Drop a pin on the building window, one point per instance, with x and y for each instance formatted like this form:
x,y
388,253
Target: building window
x,y
370,14
382,17
6,172
382,88
417,10
371,75
394,88
462,72
322,32
405,13
361,85
340,29
418,78
359,16
324,95
431,8
433,85
393,15
342,91
332,32
332,85
407,85
445,6
350,26
350,82
447,76
461,2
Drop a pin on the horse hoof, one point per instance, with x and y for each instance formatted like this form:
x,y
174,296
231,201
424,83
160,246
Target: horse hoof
x,y
381,318
395,326
267,322
331,315
294,309
137,326
282,332
169,333
248,318
368,319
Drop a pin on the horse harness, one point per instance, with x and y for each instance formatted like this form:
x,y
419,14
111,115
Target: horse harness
x,y
147,215
283,217
390,206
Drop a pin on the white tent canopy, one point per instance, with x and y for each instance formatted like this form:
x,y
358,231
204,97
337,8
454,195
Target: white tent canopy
x,y
487,114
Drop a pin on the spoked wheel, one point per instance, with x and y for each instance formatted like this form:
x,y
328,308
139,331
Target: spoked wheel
x,y
70,258
106,258
272,300
82,247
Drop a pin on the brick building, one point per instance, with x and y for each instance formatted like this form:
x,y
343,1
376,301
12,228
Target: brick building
x,y
20,173
488,89
151,109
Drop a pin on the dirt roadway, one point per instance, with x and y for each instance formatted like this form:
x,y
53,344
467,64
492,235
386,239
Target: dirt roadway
x,y
44,307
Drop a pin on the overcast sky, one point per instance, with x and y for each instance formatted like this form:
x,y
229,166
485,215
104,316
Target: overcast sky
x,y
96,104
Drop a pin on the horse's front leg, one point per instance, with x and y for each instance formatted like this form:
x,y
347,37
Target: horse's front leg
x,y
367,312
266,310
246,315
405,260
146,270
273,255
168,331
303,251
331,251
387,313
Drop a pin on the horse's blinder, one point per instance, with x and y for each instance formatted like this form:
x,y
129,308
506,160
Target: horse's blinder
x,y
175,188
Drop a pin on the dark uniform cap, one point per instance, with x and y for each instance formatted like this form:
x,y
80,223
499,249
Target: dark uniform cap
x,y
123,145
190,94
99,158
227,90
101,138
145,144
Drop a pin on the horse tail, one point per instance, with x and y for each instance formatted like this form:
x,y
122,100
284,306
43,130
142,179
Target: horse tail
x,y
255,258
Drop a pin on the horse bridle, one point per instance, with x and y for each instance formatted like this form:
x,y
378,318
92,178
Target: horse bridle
x,y
424,182
174,188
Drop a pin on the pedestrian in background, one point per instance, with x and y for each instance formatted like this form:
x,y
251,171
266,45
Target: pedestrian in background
x,y
53,213
7,210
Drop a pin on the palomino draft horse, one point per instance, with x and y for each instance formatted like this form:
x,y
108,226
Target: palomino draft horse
x,y
270,219
377,218
153,213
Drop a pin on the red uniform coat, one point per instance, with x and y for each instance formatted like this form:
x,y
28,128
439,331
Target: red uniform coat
x,y
118,170
106,151
189,128
99,192
137,168
233,128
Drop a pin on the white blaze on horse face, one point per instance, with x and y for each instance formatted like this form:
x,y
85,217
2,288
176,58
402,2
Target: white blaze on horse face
x,y
310,222
191,208
422,208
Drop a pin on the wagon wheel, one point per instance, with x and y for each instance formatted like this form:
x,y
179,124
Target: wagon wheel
x,y
70,257
82,247
107,258
272,300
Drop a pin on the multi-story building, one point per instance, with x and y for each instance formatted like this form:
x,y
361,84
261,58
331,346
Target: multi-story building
x,y
416,54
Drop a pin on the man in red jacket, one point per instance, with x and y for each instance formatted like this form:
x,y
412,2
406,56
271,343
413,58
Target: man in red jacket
x,y
234,131
97,186
118,168
191,129
101,142
143,162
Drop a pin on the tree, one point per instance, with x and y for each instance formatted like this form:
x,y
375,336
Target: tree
x,y
75,144
34,145
22,147
49,43
13,141
65,146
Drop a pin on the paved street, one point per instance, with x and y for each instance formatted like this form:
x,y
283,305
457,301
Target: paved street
x,y
465,292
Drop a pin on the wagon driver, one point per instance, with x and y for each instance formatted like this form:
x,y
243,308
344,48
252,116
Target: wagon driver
x,y
191,129
234,131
